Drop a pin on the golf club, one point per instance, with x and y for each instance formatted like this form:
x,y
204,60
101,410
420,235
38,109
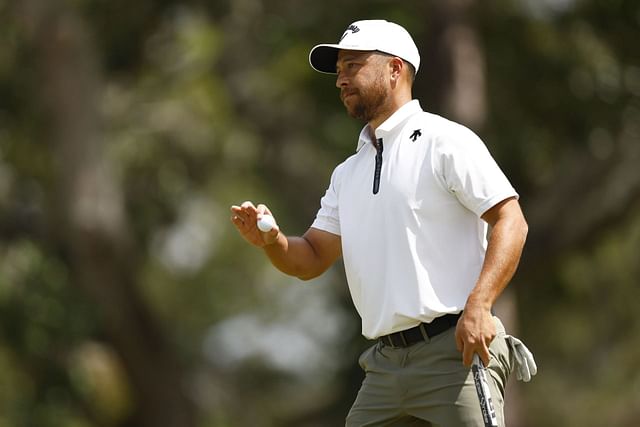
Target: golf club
x,y
484,394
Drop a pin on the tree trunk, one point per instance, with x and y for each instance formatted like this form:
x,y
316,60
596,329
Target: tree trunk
x,y
455,83
454,62
89,219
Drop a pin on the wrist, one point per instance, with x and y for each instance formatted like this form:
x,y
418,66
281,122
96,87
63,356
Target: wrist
x,y
476,303
271,241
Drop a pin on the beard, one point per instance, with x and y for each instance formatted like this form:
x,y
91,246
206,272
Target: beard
x,y
370,102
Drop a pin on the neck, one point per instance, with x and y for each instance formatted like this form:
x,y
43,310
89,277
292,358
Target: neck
x,y
394,105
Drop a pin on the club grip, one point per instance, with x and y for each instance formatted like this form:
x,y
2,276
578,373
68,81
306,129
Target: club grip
x,y
484,394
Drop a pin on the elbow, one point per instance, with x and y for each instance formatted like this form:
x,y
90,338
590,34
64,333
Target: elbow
x,y
523,228
311,273
299,273
307,276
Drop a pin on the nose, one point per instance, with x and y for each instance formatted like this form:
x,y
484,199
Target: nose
x,y
341,81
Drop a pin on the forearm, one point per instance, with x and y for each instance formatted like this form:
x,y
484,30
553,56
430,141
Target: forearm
x,y
476,328
294,256
501,260
305,257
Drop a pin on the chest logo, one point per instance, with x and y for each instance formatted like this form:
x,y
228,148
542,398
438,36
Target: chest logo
x,y
416,134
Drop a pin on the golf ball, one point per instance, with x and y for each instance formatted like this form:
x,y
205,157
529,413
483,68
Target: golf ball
x,y
266,223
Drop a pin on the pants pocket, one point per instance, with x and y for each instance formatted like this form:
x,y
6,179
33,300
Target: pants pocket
x,y
500,363
365,356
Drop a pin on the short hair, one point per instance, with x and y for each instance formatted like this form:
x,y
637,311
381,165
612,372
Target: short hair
x,y
412,69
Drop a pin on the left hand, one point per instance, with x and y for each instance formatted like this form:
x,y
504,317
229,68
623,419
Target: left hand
x,y
474,333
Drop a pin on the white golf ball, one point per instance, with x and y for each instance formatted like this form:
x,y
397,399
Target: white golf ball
x,y
266,223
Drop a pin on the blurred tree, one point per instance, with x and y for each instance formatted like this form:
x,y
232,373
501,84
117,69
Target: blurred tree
x,y
86,204
126,131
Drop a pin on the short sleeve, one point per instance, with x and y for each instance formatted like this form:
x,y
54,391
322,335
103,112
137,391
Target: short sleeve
x,y
328,218
469,171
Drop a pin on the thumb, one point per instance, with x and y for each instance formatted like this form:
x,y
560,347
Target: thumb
x,y
270,237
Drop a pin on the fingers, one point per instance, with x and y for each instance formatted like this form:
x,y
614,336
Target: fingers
x,y
270,236
464,345
245,218
468,350
244,214
247,205
467,355
262,210
248,212
473,336
484,354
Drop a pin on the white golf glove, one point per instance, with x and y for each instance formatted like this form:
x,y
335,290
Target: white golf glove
x,y
525,365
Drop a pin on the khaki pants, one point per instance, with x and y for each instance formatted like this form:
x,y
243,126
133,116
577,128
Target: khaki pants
x,y
427,385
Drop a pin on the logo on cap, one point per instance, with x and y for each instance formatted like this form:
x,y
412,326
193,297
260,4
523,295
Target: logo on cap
x,y
353,28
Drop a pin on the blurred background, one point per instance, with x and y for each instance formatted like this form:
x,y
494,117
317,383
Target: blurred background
x,y
128,128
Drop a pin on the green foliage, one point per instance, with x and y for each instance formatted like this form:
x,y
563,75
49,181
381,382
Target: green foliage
x,y
206,104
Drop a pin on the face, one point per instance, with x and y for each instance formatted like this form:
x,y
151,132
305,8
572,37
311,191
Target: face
x,y
362,82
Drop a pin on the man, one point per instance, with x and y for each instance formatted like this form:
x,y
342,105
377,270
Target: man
x,y
409,213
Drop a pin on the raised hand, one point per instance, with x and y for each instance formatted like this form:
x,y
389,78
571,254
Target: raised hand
x,y
245,218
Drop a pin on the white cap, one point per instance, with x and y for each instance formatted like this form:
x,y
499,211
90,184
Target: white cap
x,y
378,34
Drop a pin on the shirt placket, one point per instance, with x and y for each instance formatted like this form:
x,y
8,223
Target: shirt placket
x,y
378,169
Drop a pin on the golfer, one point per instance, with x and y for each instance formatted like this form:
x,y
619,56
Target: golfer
x,y
409,213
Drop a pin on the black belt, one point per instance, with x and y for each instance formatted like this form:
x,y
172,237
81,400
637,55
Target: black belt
x,y
422,332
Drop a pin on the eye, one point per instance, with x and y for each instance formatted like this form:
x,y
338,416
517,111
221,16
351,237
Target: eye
x,y
348,65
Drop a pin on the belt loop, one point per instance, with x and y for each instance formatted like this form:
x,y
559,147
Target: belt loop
x,y
425,336
388,341
404,340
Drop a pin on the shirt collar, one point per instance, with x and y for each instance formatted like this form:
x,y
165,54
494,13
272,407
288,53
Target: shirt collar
x,y
402,113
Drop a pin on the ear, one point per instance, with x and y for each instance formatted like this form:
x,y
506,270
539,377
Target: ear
x,y
395,69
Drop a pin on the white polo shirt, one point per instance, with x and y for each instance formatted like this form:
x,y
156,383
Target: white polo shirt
x,y
414,250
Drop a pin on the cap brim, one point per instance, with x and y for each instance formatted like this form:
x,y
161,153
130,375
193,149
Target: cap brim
x,y
323,58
